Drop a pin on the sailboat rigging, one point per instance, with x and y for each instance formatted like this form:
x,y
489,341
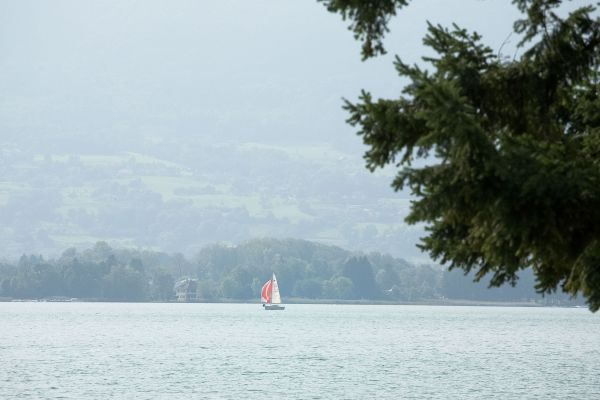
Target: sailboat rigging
x,y
269,295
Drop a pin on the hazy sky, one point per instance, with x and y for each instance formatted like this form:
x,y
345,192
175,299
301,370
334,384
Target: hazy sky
x,y
176,79
233,70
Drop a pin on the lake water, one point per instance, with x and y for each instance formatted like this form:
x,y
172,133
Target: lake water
x,y
239,351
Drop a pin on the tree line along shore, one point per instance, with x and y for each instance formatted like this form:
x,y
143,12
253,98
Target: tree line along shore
x,y
307,272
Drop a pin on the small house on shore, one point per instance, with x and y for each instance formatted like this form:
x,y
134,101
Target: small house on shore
x,y
185,290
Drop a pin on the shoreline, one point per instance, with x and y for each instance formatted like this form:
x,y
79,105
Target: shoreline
x,y
432,302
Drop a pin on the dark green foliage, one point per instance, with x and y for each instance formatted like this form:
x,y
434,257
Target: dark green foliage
x,y
32,276
162,285
512,147
455,286
84,279
304,270
360,272
292,260
136,264
339,288
309,288
237,284
100,273
369,20
124,283
207,291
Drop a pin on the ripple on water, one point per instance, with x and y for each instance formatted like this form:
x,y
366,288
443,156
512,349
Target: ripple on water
x,y
229,351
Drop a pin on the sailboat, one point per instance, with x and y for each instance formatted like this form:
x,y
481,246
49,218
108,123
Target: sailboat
x,y
269,295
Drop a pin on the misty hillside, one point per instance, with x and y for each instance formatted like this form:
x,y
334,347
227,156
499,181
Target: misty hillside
x,y
170,126
178,199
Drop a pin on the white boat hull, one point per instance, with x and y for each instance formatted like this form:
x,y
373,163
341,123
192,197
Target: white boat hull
x,y
273,307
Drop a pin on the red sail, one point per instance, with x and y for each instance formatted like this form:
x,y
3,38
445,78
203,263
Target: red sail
x,y
265,293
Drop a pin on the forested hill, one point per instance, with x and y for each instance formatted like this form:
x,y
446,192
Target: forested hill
x,y
305,270
187,192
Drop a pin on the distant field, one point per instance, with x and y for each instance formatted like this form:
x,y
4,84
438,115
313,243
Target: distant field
x,y
96,194
8,189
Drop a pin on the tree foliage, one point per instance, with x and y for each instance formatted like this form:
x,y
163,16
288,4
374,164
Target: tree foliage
x,y
360,273
369,19
511,178
304,270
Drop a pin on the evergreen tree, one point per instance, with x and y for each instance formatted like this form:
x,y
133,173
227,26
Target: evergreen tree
x,y
360,272
512,146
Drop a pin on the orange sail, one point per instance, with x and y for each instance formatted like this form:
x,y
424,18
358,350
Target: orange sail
x,y
265,293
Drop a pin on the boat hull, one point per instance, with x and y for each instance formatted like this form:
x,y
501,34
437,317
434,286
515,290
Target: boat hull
x,y
273,307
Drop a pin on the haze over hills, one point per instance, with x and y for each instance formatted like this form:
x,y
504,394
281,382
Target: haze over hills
x,y
213,193
171,126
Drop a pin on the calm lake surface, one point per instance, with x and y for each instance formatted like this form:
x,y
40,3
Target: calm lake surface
x,y
239,351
